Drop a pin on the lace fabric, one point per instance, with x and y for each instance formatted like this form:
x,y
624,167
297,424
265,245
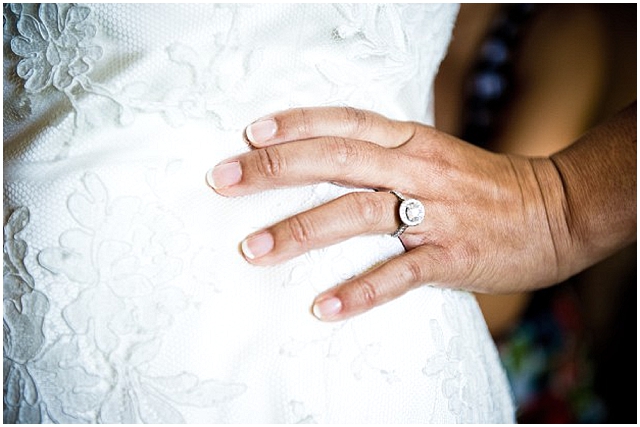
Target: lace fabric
x,y
125,297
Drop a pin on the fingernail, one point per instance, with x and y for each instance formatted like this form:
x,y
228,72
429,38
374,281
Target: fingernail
x,y
224,175
327,308
261,131
258,245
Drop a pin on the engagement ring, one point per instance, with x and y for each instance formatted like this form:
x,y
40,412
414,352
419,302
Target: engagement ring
x,y
411,213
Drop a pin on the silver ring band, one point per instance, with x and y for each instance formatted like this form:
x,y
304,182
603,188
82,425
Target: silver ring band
x,y
411,212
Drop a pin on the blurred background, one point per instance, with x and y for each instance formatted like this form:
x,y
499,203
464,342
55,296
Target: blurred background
x,y
529,79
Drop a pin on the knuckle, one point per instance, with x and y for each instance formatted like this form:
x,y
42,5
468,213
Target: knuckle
x,y
301,230
270,163
446,257
367,294
342,151
369,209
303,123
357,121
413,271
467,257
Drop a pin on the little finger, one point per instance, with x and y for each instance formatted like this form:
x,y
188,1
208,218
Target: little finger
x,y
383,284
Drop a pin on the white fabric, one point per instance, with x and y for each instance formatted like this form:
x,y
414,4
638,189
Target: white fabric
x,y
125,296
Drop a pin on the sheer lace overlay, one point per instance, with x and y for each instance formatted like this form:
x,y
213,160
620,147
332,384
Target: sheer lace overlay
x,y
125,296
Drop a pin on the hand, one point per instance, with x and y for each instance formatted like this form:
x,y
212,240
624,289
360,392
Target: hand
x,y
485,230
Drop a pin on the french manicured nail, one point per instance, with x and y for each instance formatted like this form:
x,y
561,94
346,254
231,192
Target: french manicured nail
x,y
327,308
257,245
224,175
261,131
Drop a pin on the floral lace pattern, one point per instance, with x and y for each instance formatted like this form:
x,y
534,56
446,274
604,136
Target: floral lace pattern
x,y
456,369
129,287
376,37
56,51
56,47
23,317
124,301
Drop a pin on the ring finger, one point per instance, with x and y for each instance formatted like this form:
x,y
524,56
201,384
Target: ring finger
x,y
351,215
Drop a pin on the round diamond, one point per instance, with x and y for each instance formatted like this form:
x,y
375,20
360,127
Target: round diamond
x,y
411,212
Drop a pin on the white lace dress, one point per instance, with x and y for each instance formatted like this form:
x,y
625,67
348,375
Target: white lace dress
x,y
125,296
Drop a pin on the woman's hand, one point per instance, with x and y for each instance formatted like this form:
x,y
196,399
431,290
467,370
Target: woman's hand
x,y
488,226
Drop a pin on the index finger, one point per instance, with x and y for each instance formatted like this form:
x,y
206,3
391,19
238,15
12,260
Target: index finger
x,y
344,122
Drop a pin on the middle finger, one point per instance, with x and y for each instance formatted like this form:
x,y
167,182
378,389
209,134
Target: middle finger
x,y
327,159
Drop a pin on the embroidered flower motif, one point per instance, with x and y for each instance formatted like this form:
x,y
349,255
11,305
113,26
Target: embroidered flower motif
x,y
23,317
56,47
123,256
372,38
456,362
217,83
447,363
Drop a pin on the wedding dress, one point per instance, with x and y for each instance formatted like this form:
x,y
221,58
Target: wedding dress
x,y
126,298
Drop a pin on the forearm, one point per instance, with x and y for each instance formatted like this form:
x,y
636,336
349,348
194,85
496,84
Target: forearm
x,y
589,191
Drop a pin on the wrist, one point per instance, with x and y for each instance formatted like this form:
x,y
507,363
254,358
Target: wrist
x,y
596,183
558,216
548,219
